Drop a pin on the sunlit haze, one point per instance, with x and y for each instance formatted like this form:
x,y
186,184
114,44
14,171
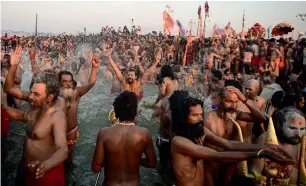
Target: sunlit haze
x,y
72,17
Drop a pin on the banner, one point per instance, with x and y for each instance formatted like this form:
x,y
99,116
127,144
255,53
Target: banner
x,y
168,23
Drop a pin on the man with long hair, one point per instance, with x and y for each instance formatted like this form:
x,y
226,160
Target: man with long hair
x,y
189,145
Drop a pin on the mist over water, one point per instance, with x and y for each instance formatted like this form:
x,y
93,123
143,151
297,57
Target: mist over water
x,y
92,116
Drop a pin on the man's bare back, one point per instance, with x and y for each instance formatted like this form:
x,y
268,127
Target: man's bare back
x,y
122,148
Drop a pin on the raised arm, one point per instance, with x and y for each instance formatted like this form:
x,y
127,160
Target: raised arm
x,y
35,68
92,78
115,67
15,114
151,70
98,158
255,115
9,81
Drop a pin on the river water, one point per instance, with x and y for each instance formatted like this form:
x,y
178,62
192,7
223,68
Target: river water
x,y
92,116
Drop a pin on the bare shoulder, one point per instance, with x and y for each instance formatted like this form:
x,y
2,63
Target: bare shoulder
x,y
210,115
58,114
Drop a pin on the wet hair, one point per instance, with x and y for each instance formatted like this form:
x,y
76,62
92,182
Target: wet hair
x,y
166,71
233,83
8,57
50,79
277,98
281,117
125,106
180,104
217,74
64,72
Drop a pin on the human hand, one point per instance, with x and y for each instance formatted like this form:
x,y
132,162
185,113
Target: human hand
x,y
16,56
237,92
280,150
32,54
38,168
276,157
154,106
95,62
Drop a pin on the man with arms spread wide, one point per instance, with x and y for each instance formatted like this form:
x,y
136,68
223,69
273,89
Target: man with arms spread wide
x,y
45,147
188,146
132,83
119,148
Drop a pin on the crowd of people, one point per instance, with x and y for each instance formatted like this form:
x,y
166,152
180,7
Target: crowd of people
x,y
253,131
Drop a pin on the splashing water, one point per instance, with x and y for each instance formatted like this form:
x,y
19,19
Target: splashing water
x,y
92,116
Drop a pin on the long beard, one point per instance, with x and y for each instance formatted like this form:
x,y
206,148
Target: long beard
x,y
67,93
33,115
192,132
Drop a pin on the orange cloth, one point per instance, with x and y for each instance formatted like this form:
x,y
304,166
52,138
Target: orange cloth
x,y
134,88
282,63
54,177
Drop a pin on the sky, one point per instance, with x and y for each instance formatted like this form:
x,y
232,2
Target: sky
x,y
72,17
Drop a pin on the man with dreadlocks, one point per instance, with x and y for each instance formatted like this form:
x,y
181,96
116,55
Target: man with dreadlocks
x,y
188,146
119,148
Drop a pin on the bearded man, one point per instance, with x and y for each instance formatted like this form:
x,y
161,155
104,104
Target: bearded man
x,y
45,148
219,121
289,132
189,146
72,96
132,82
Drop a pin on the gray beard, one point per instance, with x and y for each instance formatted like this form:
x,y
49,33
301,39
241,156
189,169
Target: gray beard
x,y
67,93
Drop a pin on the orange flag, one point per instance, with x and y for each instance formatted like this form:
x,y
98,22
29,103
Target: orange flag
x,y
168,22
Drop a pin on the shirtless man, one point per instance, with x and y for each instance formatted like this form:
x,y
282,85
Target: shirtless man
x,y
218,121
72,96
289,131
169,84
45,147
247,59
251,92
122,155
188,147
216,82
132,83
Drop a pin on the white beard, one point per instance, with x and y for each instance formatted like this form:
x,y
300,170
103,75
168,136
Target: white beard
x,y
67,93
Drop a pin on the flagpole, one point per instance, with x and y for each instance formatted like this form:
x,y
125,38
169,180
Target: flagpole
x,y
36,26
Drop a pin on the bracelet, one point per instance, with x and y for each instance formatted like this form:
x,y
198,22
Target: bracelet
x,y
259,153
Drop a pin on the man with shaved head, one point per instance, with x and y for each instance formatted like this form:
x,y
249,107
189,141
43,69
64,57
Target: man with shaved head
x,y
219,122
251,92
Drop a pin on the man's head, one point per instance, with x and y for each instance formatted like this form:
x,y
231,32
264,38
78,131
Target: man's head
x,y
125,106
131,75
289,124
44,92
166,71
6,62
251,88
229,100
217,75
187,115
66,85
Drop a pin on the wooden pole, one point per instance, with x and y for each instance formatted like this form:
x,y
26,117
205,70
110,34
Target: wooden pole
x,y
36,26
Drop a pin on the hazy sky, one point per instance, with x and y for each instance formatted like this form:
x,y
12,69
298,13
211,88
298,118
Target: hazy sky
x,y
71,17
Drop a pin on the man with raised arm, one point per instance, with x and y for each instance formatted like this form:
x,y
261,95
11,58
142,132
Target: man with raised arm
x,y
45,147
72,96
189,146
132,82
119,148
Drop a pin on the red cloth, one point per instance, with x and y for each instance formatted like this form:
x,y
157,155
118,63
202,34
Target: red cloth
x,y
256,60
140,96
5,123
54,177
